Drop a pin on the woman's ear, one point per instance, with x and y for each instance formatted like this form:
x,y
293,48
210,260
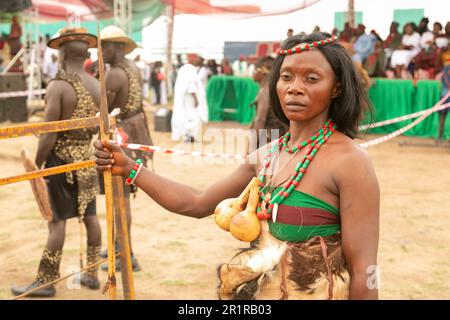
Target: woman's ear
x,y
337,90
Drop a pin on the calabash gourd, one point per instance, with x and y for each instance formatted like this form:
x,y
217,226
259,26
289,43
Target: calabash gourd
x,y
245,226
227,208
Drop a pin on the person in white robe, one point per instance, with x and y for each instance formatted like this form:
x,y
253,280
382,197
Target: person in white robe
x,y
189,105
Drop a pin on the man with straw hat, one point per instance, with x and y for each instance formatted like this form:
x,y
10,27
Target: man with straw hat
x,y
124,91
72,94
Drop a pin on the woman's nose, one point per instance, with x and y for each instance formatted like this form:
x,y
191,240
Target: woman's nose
x,y
296,87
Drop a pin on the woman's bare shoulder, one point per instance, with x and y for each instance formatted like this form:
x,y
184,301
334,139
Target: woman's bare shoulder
x,y
349,158
346,148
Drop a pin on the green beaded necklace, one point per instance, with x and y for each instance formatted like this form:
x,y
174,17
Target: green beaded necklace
x,y
314,143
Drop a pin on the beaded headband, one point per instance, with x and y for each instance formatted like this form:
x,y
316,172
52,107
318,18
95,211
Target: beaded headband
x,y
307,46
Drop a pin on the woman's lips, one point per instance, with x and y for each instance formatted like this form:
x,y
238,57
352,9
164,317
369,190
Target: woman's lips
x,y
295,106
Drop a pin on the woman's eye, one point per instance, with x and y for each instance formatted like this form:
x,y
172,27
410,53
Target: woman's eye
x,y
312,78
285,77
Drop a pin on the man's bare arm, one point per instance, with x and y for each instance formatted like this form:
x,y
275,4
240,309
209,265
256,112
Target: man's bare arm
x,y
53,113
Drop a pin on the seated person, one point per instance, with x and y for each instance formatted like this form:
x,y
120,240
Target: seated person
x,y
427,63
392,42
375,63
364,45
408,50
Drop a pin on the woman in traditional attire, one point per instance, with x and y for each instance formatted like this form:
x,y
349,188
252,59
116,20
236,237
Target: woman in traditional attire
x,y
318,193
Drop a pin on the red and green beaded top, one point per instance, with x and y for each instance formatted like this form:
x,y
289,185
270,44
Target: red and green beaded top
x,y
313,144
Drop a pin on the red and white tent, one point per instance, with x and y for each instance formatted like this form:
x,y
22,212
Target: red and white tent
x,y
239,8
89,10
101,9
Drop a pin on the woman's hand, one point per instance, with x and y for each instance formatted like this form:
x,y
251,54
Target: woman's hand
x,y
111,156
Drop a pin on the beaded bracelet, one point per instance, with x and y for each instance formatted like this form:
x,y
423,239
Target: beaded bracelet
x,y
134,172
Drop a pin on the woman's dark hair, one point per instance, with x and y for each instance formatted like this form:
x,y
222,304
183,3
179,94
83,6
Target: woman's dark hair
x,y
438,24
346,110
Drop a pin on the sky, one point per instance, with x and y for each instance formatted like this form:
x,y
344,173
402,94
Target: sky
x,y
208,34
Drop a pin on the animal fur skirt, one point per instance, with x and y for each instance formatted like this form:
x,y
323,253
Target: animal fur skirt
x,y
272,270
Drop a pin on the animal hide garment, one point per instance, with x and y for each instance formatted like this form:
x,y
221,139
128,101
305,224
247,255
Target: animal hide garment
x,y
273,269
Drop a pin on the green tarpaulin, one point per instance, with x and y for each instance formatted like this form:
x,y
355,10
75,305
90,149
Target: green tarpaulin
x,y
229,98
390,99
394,98
404,16
341,17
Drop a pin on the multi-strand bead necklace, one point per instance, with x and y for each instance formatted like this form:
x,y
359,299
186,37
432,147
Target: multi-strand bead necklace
x,y
313,144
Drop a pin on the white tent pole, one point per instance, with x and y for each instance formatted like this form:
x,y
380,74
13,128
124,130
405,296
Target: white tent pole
x,y
351,13
169,66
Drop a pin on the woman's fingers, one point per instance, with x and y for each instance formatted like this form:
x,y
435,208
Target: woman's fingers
x,y
103,154
98,145
111,145
102,168
106,146
104,162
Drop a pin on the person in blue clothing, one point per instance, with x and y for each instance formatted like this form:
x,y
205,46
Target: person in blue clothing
x,y
364,44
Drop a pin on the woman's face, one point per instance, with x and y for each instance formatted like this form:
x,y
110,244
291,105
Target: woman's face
x,y
306,85
437,28
409,29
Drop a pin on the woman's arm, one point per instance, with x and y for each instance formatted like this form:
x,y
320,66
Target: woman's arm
x,y
359,209
171,195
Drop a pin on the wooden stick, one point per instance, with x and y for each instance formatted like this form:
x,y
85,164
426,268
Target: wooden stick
x,y
123,237
47,172
59,280
124,240
46,127
13,60
107,176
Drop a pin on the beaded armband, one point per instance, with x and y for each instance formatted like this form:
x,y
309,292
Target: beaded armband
x,y
134,172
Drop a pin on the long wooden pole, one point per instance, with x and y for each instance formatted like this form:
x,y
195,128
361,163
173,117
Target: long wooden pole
x,y
107,176
123,238
47,172
46,127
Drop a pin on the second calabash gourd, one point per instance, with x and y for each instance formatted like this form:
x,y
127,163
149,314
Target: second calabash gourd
x,y
245,226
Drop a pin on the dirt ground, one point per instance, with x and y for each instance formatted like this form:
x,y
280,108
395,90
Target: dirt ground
x,y
179,255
